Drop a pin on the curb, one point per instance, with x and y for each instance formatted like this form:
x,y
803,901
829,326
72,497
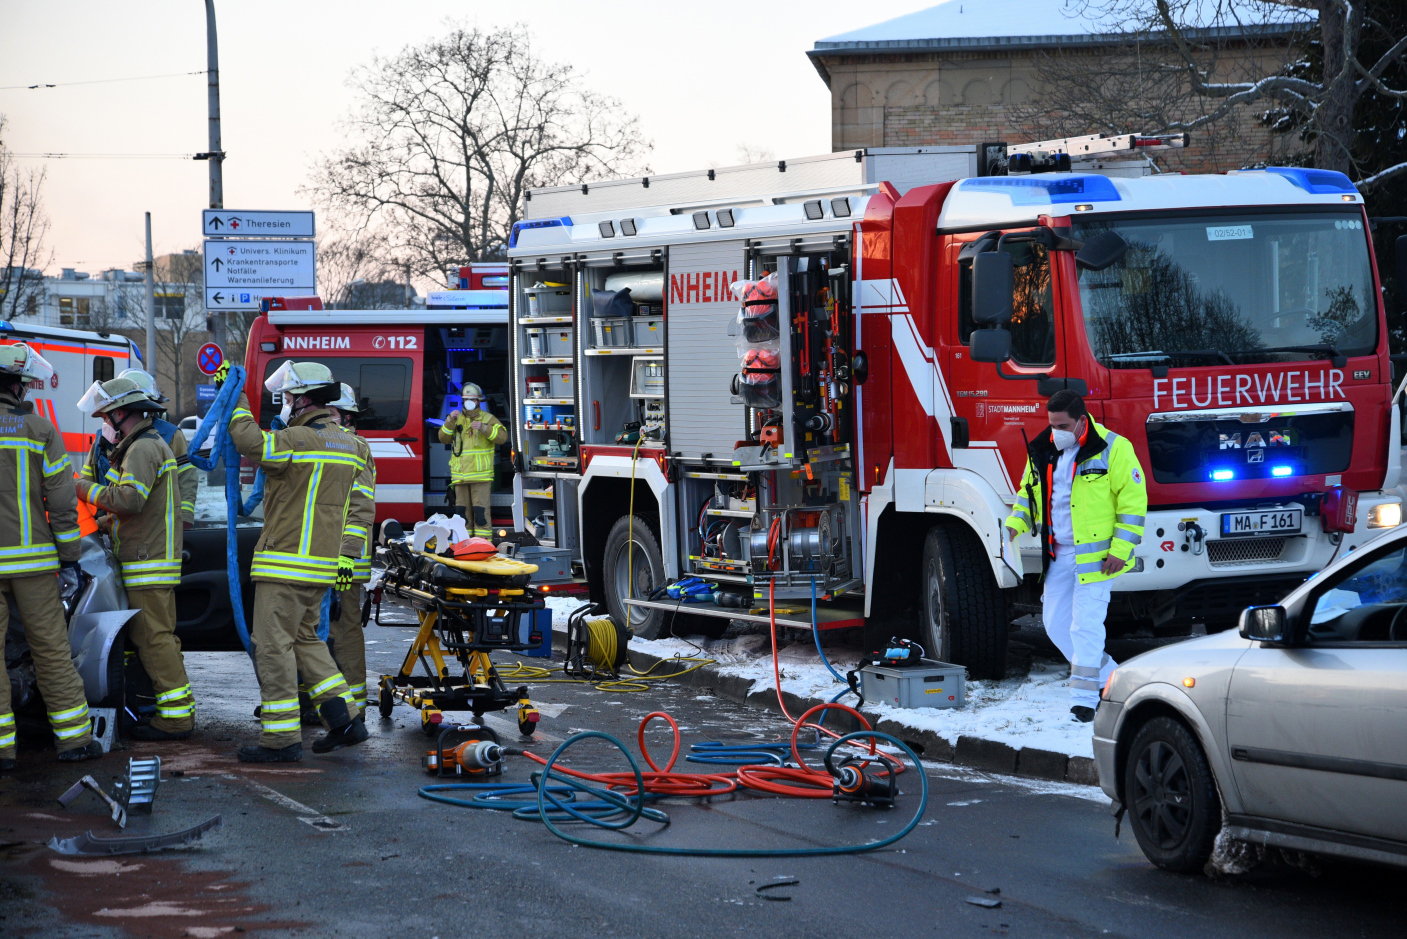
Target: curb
x,y
987,755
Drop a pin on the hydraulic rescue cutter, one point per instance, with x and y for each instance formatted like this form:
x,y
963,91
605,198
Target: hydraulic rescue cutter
x,y
467,609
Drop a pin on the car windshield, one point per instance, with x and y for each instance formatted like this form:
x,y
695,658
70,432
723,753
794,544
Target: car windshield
x,y
1236,288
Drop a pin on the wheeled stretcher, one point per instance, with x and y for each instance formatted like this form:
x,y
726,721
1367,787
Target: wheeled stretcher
x,y
466,609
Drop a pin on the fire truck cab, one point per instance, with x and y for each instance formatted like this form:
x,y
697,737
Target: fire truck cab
x,y
821,377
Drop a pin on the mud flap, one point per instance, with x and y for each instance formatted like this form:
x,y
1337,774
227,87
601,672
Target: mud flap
x,y
91,637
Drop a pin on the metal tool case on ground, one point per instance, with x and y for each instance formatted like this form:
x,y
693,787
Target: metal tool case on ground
x,y
467,609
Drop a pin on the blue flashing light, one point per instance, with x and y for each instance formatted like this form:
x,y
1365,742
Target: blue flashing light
x,y
1046,189
1281,470
1222,475
6,326
564,221
1318,182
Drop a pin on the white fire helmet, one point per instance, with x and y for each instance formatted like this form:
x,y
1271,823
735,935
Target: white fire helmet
x,y
347,402
19,359
299,378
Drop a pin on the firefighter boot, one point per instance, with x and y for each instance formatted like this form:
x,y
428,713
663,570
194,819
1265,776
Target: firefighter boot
x,y
260,754
343,730
92,751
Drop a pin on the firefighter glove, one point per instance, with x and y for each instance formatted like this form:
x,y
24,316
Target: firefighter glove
x,y
69,580
344,573
221,374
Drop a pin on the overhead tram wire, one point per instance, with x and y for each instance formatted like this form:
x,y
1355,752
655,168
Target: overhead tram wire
x,y
98,81
102,156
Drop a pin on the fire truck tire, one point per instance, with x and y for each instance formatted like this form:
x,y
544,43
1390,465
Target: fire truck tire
x,y
963,613
649,574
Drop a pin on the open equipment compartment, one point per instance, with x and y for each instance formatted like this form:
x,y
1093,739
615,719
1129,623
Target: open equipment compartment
x,y
614,413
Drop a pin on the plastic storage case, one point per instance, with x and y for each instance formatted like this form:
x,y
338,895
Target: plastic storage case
x,y
562,383
611,332
555,414
558,340
928,685
548,301
647,332
536,345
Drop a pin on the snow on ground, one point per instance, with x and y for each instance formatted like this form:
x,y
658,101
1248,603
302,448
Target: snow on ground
x,y
1026,711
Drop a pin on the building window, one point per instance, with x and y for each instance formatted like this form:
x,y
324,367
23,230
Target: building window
x,y
74,312
102,368
170,306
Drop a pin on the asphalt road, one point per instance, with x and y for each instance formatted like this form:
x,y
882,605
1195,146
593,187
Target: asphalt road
x,y
342,846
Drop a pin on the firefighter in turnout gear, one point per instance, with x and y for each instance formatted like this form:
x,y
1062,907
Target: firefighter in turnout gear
x,y
345,638
38,536
141,491
310,469
1085,491
473,434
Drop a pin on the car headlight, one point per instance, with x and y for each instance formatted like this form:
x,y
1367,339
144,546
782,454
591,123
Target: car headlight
x,y
1386,515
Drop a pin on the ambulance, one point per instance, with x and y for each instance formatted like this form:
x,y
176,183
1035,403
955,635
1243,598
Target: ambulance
x,y
737,389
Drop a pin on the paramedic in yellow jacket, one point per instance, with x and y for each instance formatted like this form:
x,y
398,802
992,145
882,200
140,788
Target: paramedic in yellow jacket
x,y
141,491
1084,490
310,468
344,633
38,557
473,434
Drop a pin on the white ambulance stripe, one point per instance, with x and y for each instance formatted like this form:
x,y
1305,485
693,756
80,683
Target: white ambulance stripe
x,y
399,492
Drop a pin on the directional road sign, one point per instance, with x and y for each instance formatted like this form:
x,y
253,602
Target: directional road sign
x,y
239,273
209,358
227,223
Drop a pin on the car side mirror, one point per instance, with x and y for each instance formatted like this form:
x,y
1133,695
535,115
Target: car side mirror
x,y
1103,250
990,345
1263,623
993,281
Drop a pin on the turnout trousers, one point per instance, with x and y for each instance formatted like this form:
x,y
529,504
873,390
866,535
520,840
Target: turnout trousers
x,y
478,513
286,643
1074,614
37,597
153,632
346,641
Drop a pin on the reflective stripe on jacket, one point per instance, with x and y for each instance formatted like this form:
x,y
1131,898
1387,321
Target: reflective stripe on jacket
x,y
142,493
309,470
99,462
471,452
1108,500
38,504
361,514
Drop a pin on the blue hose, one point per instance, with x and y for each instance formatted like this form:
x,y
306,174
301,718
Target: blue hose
x,y
816,633
217,420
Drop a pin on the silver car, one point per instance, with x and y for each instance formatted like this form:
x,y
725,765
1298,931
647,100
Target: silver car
x,y
1295,730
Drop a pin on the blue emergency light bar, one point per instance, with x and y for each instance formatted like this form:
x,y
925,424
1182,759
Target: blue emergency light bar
x,y
1282,470
1222,475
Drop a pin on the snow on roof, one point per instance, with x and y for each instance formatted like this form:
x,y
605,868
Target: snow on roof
x,y
987,23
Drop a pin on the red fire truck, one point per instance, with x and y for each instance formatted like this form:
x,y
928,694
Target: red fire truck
x,y
816,376
407,367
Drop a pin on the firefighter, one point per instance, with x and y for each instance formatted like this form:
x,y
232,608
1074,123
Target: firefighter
x,y
141,491
473,434
310,468
185,470
344,638
38,536
1084,487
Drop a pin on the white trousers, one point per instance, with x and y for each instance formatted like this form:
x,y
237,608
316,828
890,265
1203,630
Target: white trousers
x,y
1073,614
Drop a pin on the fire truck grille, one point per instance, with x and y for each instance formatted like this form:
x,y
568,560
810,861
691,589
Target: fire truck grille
x,y
1245,550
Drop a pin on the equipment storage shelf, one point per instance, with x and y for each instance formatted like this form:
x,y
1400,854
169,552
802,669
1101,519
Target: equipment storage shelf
x,y
544,320
619,293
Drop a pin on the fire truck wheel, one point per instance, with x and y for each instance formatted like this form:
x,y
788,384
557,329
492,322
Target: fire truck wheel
x,y
963,611
648,574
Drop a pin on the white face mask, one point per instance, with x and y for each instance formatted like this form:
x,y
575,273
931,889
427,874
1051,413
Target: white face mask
x,y
1064,439
471,405
287,412
109,432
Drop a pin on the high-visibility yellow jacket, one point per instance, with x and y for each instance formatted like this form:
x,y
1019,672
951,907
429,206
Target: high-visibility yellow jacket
x,y
309,470
38,504
142,492
1108,500
361,514
471,452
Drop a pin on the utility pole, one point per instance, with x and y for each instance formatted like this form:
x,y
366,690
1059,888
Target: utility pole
x,y
151,305
216,152
409,290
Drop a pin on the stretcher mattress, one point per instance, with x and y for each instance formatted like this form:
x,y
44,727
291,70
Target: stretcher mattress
x,y
496,566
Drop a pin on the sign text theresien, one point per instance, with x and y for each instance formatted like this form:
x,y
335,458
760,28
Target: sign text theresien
x,y
1232,390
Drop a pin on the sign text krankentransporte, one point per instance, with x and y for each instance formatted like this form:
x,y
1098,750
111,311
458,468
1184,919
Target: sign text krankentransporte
x,y
1293,387
259,264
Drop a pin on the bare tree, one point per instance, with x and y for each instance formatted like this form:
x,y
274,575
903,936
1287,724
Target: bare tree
x,y
181,317
1203,64
753,153
349,262
23,226
452,132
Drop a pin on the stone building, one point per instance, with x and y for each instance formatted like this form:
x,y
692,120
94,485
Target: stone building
x,y
968,71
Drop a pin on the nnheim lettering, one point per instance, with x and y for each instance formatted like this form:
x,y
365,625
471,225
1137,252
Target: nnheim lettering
x,y
317,342
1232,390
702,287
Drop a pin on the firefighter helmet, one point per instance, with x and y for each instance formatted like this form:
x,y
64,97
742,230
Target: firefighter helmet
x,y
19,359
146,382
471,390
105,396
299,378
347,402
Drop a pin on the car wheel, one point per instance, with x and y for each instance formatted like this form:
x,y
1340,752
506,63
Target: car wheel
x,y
963,611
633,571
1171,796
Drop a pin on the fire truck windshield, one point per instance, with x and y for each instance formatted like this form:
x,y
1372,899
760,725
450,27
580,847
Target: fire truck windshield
x,y
1241,288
